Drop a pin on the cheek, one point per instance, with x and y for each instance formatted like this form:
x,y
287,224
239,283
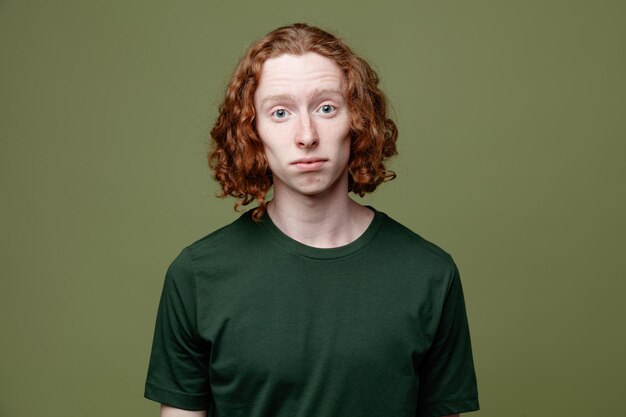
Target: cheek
x,y
347,141
339,130
346,149
346,133
273,134
271,140
261,130
267,136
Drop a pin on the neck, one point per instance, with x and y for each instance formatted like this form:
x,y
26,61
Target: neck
x,y
329,220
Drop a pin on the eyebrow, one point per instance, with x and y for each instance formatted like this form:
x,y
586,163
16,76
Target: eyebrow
x,y
315,93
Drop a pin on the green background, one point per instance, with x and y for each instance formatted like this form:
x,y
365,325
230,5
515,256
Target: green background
x,y
512,158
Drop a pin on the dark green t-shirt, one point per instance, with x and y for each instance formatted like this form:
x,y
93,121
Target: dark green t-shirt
x,y
253,323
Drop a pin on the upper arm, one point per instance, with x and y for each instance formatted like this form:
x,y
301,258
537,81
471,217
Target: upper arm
x,y
167,411
178,368
446,371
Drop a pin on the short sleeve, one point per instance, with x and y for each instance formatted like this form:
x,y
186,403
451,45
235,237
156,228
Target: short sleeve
x,y
447,375
178,369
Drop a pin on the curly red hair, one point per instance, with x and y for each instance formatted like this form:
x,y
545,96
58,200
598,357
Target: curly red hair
x,y
238,159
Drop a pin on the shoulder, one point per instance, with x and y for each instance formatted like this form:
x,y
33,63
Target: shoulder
x,y
236,232
399,236
223,244
410,254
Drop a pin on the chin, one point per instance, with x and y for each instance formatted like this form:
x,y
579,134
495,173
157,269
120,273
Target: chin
x,y
314,188
312,192
311,189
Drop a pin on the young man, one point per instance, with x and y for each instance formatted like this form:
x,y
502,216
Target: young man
x,y
310,304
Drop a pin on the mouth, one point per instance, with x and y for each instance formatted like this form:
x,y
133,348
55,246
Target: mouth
x,y
309,164
309,160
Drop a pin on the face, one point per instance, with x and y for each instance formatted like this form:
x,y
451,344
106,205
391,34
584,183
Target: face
x,y
303,121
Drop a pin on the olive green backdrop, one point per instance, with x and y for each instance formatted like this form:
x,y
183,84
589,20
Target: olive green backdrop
x,y
512,157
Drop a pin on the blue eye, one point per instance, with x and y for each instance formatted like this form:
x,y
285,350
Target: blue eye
x,y
327,109
280,113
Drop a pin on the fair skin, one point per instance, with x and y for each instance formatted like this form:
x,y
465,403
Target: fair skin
x,y
167,411
303,121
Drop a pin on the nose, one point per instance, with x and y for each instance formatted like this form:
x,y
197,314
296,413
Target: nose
x,y
306,136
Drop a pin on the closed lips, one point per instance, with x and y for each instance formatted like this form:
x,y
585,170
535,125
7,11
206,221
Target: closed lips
x,y
308,160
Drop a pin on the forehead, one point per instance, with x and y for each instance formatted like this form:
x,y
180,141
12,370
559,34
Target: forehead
x,y
296,74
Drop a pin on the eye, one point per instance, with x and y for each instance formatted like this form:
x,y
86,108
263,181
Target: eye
x,y
327,109
280,113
